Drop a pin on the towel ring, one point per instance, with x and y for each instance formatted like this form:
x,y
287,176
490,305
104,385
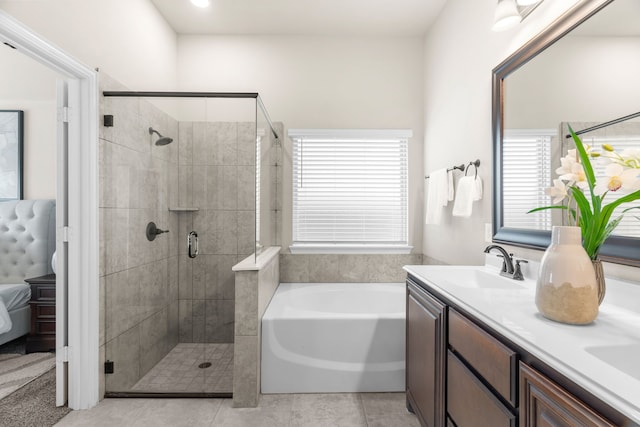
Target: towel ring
x,y
475,165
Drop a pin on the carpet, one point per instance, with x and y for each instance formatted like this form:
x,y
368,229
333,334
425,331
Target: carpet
x,y
17,370
33,405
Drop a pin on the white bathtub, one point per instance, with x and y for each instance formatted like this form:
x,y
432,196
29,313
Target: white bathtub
x,y
334,337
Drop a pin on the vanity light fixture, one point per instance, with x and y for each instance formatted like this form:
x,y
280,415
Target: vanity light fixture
x,y
506,15
510,13
200,3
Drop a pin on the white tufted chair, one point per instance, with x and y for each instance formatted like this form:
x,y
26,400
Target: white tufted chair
x,y
27,239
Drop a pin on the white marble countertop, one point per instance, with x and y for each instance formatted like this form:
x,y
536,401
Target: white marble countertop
x,y
602,357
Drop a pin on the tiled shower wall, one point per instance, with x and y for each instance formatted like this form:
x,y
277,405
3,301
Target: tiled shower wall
x,y
138,278
216,176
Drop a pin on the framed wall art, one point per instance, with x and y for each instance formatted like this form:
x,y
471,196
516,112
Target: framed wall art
x,y
11,154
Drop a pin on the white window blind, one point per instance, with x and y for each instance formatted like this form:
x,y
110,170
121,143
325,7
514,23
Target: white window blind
x,y
526,174
350,190
630,225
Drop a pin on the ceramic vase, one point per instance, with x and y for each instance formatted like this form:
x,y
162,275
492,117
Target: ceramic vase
x,y
567,289
602,288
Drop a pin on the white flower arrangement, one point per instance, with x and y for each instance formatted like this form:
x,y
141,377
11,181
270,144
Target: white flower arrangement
x,y
576,177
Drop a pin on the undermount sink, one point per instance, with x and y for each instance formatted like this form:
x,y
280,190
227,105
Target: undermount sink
x,y
473,278
622,357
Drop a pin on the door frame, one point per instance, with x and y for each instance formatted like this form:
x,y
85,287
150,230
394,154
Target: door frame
x,y
82,234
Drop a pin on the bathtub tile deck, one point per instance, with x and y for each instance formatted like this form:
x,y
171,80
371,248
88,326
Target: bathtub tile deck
x,y
278,410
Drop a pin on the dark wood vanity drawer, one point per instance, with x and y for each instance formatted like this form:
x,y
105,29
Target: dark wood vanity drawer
x,y
470,403
544,403
495,362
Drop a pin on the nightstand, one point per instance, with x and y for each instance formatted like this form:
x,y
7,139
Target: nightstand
x,y
43,314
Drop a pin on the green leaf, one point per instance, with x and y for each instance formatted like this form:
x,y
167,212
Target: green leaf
x,y
582,203
547,207
607,211
603,227
586,221
584,158
612,225
588,170
628,209
606,233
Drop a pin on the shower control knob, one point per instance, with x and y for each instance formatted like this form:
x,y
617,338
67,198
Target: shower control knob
x,y
153,231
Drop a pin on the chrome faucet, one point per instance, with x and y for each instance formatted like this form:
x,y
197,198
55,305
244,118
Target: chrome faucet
x,y
508,270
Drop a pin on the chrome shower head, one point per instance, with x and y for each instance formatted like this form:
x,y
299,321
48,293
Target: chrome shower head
x,y
163,140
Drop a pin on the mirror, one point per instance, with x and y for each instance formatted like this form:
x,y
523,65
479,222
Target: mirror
x,y
582,70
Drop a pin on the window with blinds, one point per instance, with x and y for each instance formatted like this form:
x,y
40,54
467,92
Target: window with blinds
x,y
630,225
350,190
526,173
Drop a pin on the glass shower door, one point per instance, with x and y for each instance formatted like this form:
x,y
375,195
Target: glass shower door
x,y
169,313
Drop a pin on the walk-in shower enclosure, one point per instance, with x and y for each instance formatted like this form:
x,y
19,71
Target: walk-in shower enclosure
x,y
168,297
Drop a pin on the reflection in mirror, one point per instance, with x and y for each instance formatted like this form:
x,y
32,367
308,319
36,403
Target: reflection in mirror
x,y
587,77
619,137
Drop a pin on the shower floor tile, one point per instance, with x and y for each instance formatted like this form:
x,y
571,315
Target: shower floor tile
x,y
179,371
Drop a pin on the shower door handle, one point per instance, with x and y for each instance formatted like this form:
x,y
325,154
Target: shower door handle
x,y
192,241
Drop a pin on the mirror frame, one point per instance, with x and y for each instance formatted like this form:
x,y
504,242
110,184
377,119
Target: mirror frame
x,y
617,249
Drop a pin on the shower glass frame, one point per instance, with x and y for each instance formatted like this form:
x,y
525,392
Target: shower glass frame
x,y
266,137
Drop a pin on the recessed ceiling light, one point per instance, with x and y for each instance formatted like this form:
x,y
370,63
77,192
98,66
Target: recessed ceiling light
x,y
200,3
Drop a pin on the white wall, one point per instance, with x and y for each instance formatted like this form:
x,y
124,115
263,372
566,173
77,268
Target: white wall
x,y
319,82
578,92
460,54
128,39
27,85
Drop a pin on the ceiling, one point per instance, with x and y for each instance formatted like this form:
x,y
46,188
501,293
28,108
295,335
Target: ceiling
x,y
303,17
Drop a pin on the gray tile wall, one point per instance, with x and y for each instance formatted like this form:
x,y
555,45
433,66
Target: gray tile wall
x,y
139,279
254,290
217,176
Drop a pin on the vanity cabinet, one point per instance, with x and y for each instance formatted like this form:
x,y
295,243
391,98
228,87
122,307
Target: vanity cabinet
x,y
545,403
426,352
461,373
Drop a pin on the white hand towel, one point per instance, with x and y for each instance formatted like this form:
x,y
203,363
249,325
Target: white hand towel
x,y
463,204
450,185
437,193
477,191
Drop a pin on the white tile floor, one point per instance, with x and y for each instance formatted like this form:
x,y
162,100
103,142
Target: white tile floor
x,y
278,410
179,370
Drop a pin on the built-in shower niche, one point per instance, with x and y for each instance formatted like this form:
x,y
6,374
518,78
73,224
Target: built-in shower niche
x,y
161,305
